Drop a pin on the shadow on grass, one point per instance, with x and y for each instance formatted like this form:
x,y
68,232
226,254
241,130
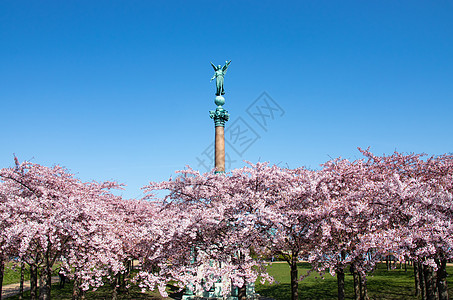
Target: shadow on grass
x,y
174,292
382,284
282,291
104,292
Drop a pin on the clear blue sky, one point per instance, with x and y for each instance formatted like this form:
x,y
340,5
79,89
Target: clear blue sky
x,y
120,89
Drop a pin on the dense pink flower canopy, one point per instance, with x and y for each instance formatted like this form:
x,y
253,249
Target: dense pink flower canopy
x,y
210,227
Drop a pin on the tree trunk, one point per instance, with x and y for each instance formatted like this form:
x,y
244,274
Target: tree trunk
x,y
242,292
363,286
421,278
429,282
48,283
45,283
76,288
41,283
340,283
2,269
33,282
21,284
115,287
125,275
387,262
417,279
442,280
294,277
436,291
355,276
122,278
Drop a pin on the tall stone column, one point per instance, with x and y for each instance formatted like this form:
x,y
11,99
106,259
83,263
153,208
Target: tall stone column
x,y
220,116
220,149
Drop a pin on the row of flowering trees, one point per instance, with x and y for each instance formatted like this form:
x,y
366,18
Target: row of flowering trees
x,y
210,228
350,213
48,215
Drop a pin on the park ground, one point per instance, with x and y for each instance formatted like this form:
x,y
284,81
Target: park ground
x,y
382,284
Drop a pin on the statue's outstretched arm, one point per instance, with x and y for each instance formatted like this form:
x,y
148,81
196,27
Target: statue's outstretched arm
x,y
225,67
213,77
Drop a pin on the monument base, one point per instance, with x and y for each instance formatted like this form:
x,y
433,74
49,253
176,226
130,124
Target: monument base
x,y
216,293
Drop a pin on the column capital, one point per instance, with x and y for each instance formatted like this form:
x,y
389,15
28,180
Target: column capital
x,y
220,116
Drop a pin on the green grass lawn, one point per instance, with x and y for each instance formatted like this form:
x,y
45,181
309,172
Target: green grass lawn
x,y
12,273
104,292
382,284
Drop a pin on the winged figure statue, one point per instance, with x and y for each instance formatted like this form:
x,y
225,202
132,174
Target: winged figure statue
x,y
218,76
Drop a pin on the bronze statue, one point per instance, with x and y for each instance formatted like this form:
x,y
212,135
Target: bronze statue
x,y
219,74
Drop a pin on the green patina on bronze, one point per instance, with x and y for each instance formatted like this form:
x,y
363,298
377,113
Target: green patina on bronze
x,y
220,115
218,76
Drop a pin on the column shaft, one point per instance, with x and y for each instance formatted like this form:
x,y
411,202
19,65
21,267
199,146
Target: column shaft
x,y
219,149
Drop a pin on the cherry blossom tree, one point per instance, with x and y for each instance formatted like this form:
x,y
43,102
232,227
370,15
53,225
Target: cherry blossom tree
x,y
420,195
8,222
56,212
347,193
217,228
288,205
